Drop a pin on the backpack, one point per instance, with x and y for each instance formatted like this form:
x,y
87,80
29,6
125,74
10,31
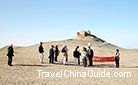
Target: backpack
x,y
63,50
76,54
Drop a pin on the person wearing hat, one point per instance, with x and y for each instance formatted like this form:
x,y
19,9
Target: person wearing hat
x,y
10,54
117,58
41,52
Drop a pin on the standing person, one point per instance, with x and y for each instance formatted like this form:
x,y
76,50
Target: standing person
x,y
56,53
65,54
117,58
10,54
41,52
51,54
76,55
84,56
90,56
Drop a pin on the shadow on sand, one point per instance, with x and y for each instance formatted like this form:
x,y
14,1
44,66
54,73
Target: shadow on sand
x,y
94,66
29,65
129,66
112,66
69,64
72,64
98,65
103,66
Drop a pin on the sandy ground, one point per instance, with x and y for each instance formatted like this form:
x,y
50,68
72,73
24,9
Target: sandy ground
x,y
26,63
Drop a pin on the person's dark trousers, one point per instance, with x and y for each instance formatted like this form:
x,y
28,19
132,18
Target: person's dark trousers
x,y
90,61
56,56
51,59
117,62
10,60
85,62
79,61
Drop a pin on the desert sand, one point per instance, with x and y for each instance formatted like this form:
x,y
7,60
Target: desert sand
x,y
26,63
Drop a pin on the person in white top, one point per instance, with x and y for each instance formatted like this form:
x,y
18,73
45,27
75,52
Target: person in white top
x,y
65,54
84,56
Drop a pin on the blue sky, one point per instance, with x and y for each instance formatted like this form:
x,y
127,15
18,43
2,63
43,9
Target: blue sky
x,y
27,22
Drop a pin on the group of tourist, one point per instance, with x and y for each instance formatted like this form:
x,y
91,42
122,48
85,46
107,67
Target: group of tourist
x,y
87,54
53,53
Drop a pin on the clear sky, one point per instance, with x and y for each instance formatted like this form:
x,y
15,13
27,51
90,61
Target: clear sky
x,y
26,22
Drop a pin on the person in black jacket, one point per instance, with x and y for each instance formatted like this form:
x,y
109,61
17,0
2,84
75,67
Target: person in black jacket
x,y
90,56
56,53
76,55
117,58
51,54
10,54
41,52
